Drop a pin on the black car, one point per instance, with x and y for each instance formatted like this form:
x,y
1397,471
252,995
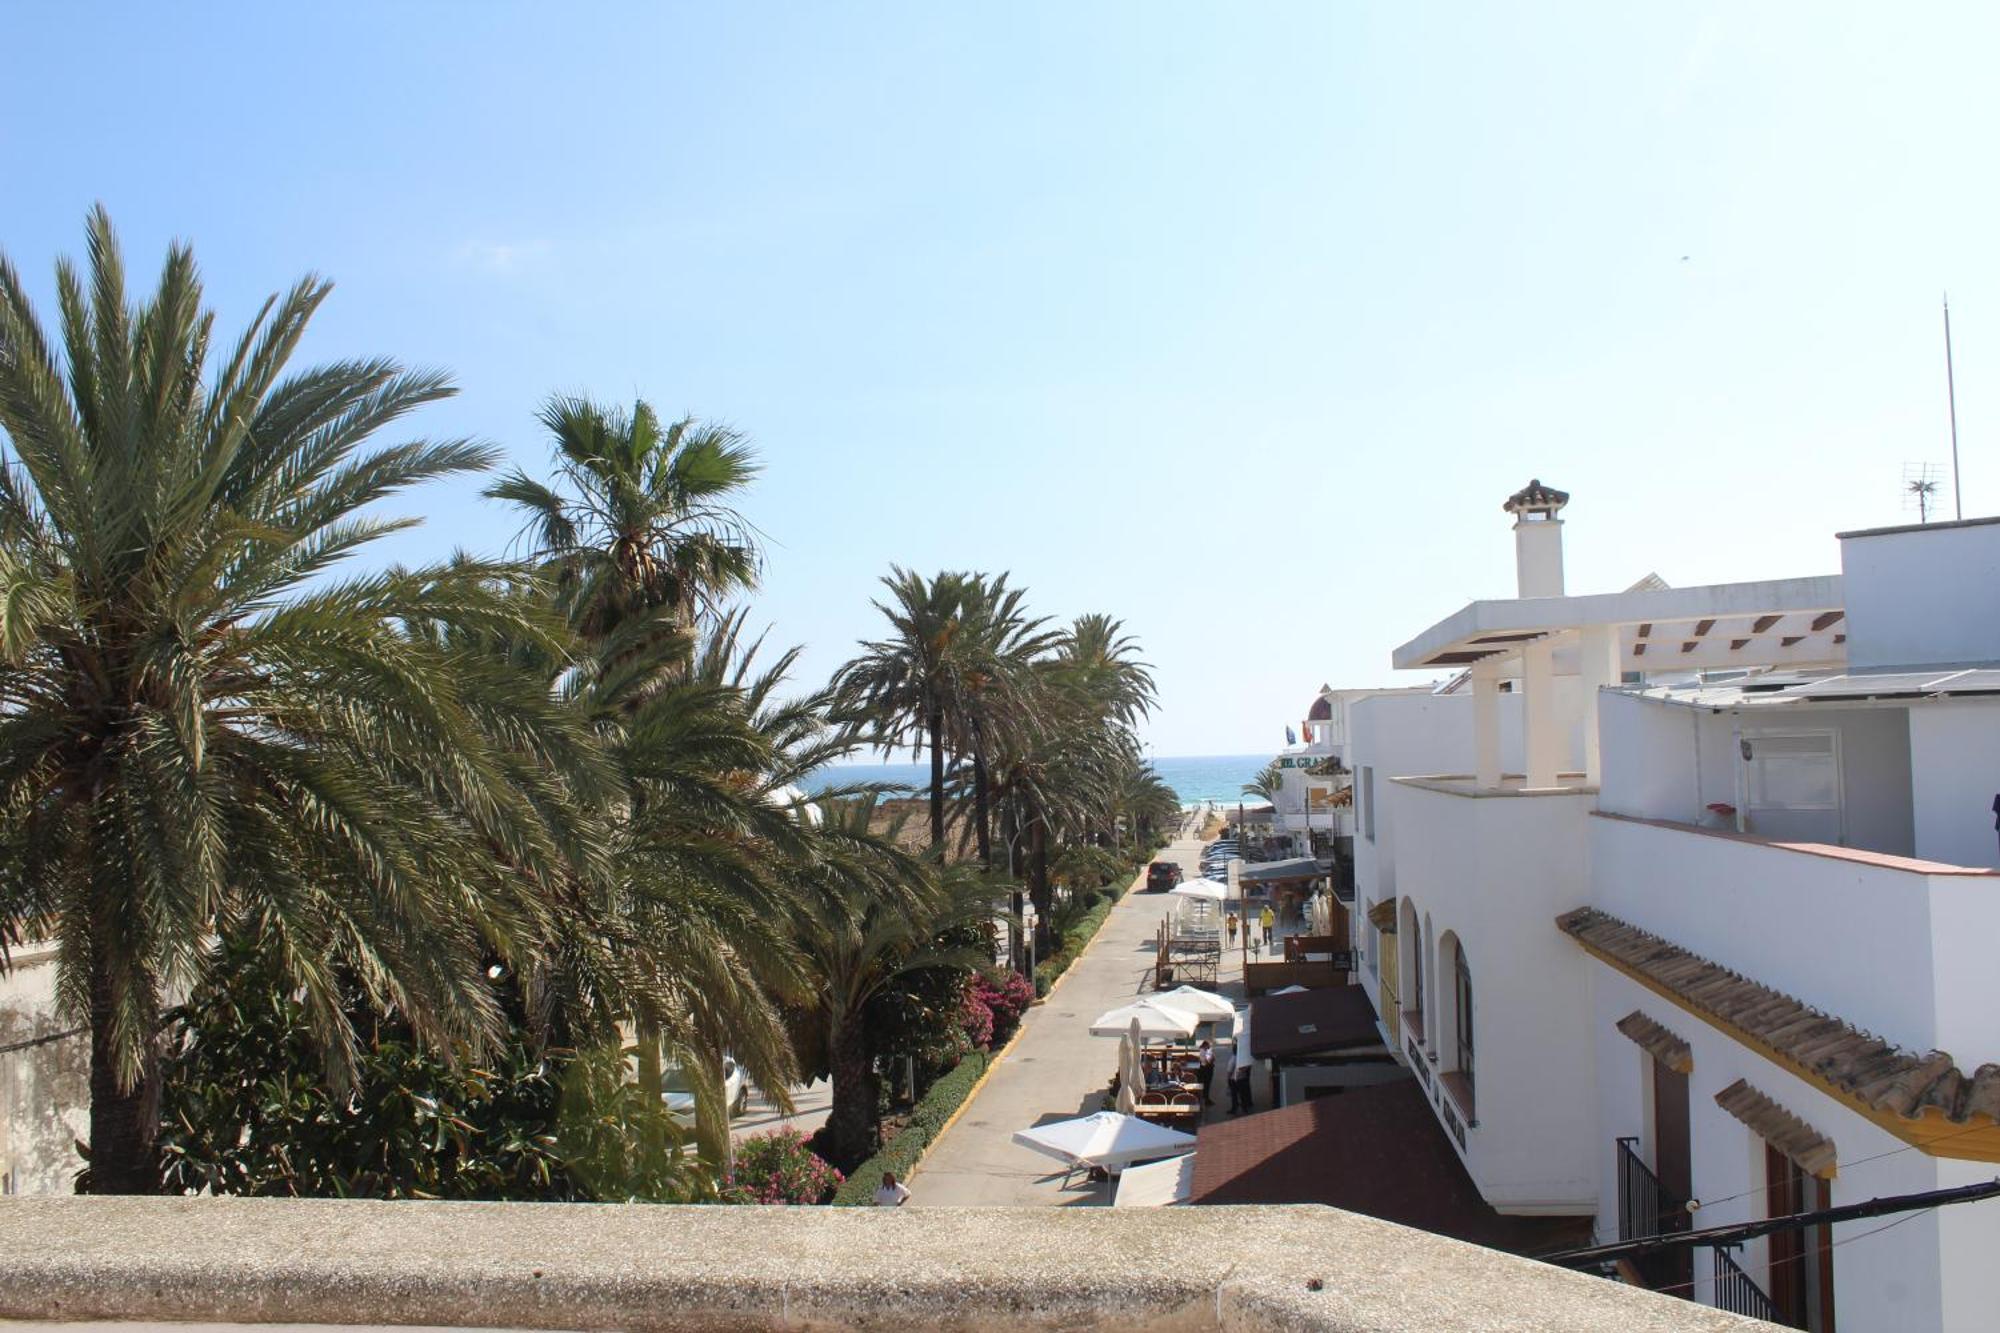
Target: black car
x,y
1161,876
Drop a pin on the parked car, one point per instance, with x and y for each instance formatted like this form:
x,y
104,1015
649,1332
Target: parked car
x,y
1161,876
679,1091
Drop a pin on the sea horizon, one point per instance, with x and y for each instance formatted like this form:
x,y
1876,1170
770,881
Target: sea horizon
x,y
1195,779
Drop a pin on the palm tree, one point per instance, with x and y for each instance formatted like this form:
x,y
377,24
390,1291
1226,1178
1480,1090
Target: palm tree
x,y
872,913
996,694
203,731
1269,781
641,515
907,688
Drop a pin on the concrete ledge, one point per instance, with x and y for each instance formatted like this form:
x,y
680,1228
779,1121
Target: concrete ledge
x,y
592,1266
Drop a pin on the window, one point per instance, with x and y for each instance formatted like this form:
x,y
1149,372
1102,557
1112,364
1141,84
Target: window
x,y
1368,802
1417,982
1462,990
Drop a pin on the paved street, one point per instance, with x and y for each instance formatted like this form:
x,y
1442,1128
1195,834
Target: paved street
x,y
812,1100
1057,1069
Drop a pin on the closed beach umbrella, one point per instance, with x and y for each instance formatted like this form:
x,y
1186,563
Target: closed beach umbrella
x,y
1107,1139
1128,1101
1156,1184
1154,1020
1203,1004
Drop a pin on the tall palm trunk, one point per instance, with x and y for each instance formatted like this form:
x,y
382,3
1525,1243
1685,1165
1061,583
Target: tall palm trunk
x,y
124,1121
936,725
1010,833
851,1122
1038,884
982,822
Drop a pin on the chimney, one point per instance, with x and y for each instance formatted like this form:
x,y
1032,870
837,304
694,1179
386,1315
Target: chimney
x,y
1538,539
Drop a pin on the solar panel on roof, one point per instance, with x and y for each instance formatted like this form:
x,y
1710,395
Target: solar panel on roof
x,y
1886,684
1972,682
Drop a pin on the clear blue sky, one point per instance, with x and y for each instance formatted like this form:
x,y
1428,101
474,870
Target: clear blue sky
x,y
1237,322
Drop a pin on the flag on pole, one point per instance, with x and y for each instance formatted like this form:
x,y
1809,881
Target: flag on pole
x,y
1290,737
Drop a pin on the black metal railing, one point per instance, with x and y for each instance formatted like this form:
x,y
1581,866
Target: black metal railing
x,y
1737,1292
1648,1208
1645,1206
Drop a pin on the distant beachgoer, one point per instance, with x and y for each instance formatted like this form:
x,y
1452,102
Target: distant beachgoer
x,y
1267,921
1207,1058
893,1194
1232,928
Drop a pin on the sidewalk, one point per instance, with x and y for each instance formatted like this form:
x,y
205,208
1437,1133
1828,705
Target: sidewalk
x,y
1057,1070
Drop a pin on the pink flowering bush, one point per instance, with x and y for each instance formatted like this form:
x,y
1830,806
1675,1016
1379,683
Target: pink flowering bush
x,y
779,1168
975,1018
1007,996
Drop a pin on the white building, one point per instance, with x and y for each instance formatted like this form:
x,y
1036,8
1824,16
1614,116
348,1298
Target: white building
x,y
44,1080
1762,815
1314,805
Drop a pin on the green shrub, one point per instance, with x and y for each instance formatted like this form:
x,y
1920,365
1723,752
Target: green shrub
x,y
901,1153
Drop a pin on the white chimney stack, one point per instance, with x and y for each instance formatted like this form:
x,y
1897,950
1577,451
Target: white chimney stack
x,y
1538,539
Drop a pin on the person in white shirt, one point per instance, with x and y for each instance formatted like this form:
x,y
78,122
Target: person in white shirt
x,y
893,1194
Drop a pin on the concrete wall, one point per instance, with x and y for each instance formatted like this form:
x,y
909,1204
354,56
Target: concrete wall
x,y
1934,1272
1925,596
1666,760
1955,774
1495,871
45,1088
606,1266
1896,951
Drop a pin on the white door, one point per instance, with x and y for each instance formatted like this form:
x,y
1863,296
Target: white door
x,y
1792,786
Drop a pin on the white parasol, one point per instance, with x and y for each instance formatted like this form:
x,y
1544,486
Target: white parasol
x,y
1107,1139
1154,1020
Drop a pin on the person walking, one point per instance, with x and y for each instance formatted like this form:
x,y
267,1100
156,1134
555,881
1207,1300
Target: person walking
x,y
893,1193
1206,1056
1239,1082
1232,930
1268,922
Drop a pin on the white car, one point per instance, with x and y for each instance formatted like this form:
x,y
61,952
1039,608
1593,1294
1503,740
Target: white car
x,y
679,1091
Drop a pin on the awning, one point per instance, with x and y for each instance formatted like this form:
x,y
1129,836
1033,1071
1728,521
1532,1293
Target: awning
x,y
1156,1184
1106,1139
1657,1042
1375,1150
1382,916
1311,1022
1298,867
1793,1137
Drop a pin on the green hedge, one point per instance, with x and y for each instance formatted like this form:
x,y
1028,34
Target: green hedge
x,y
900,1153
1073,943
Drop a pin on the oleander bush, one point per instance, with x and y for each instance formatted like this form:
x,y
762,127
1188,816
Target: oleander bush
x,y
778,1167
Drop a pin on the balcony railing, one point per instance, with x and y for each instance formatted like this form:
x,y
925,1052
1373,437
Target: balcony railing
x,y
1737,1292
1647,1208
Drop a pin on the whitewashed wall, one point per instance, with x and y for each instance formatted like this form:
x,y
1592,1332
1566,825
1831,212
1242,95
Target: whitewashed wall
x,y
1928,596
44,1089
1955,774
1497,870
1932,1274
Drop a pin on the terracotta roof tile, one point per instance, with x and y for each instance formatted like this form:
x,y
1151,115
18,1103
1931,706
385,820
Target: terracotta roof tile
x,y
1780,1128
1657,1041
1860,1064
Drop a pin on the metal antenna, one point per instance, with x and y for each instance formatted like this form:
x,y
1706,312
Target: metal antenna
x,y
1920,486
1951,397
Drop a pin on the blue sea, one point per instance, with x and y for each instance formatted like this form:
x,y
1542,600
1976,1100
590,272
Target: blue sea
x,y
1194,778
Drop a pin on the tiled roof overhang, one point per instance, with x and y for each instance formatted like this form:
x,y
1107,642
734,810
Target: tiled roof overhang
x,y
1925,1100
1382,916
1657,1042
1793,1137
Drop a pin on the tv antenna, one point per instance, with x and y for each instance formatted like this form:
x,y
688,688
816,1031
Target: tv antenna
x,y
1951,399
1920,488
